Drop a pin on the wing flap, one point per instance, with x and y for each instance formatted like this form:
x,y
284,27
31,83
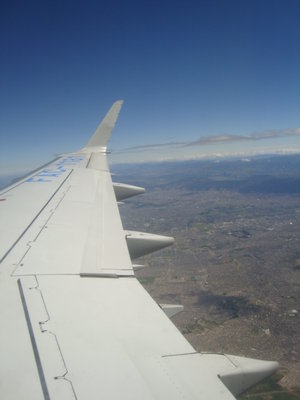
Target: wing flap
x,y
121,344
105,250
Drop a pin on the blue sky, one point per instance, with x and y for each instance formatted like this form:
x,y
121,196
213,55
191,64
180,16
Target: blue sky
x,y
186,70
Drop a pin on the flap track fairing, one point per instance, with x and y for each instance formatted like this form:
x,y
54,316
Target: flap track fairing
x,y
124,191
140,243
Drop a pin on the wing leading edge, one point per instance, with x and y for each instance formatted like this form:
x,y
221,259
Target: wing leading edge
x,y
76,323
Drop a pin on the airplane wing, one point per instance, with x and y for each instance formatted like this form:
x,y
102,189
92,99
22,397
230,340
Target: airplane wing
x,y
75,322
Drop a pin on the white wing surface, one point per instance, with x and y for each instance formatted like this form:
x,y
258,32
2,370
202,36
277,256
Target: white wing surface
x,y
75,322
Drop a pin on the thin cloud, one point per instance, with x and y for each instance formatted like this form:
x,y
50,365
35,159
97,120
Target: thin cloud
x,y
206,140
276,133
153,146
210,140
268,134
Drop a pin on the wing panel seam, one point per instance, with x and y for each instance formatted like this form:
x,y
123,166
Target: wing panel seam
x,y
33,343
34,219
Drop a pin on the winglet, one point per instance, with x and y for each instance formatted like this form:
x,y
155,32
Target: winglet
x,y
99,140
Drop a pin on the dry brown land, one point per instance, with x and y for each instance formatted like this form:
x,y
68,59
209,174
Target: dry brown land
x,y
235,265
